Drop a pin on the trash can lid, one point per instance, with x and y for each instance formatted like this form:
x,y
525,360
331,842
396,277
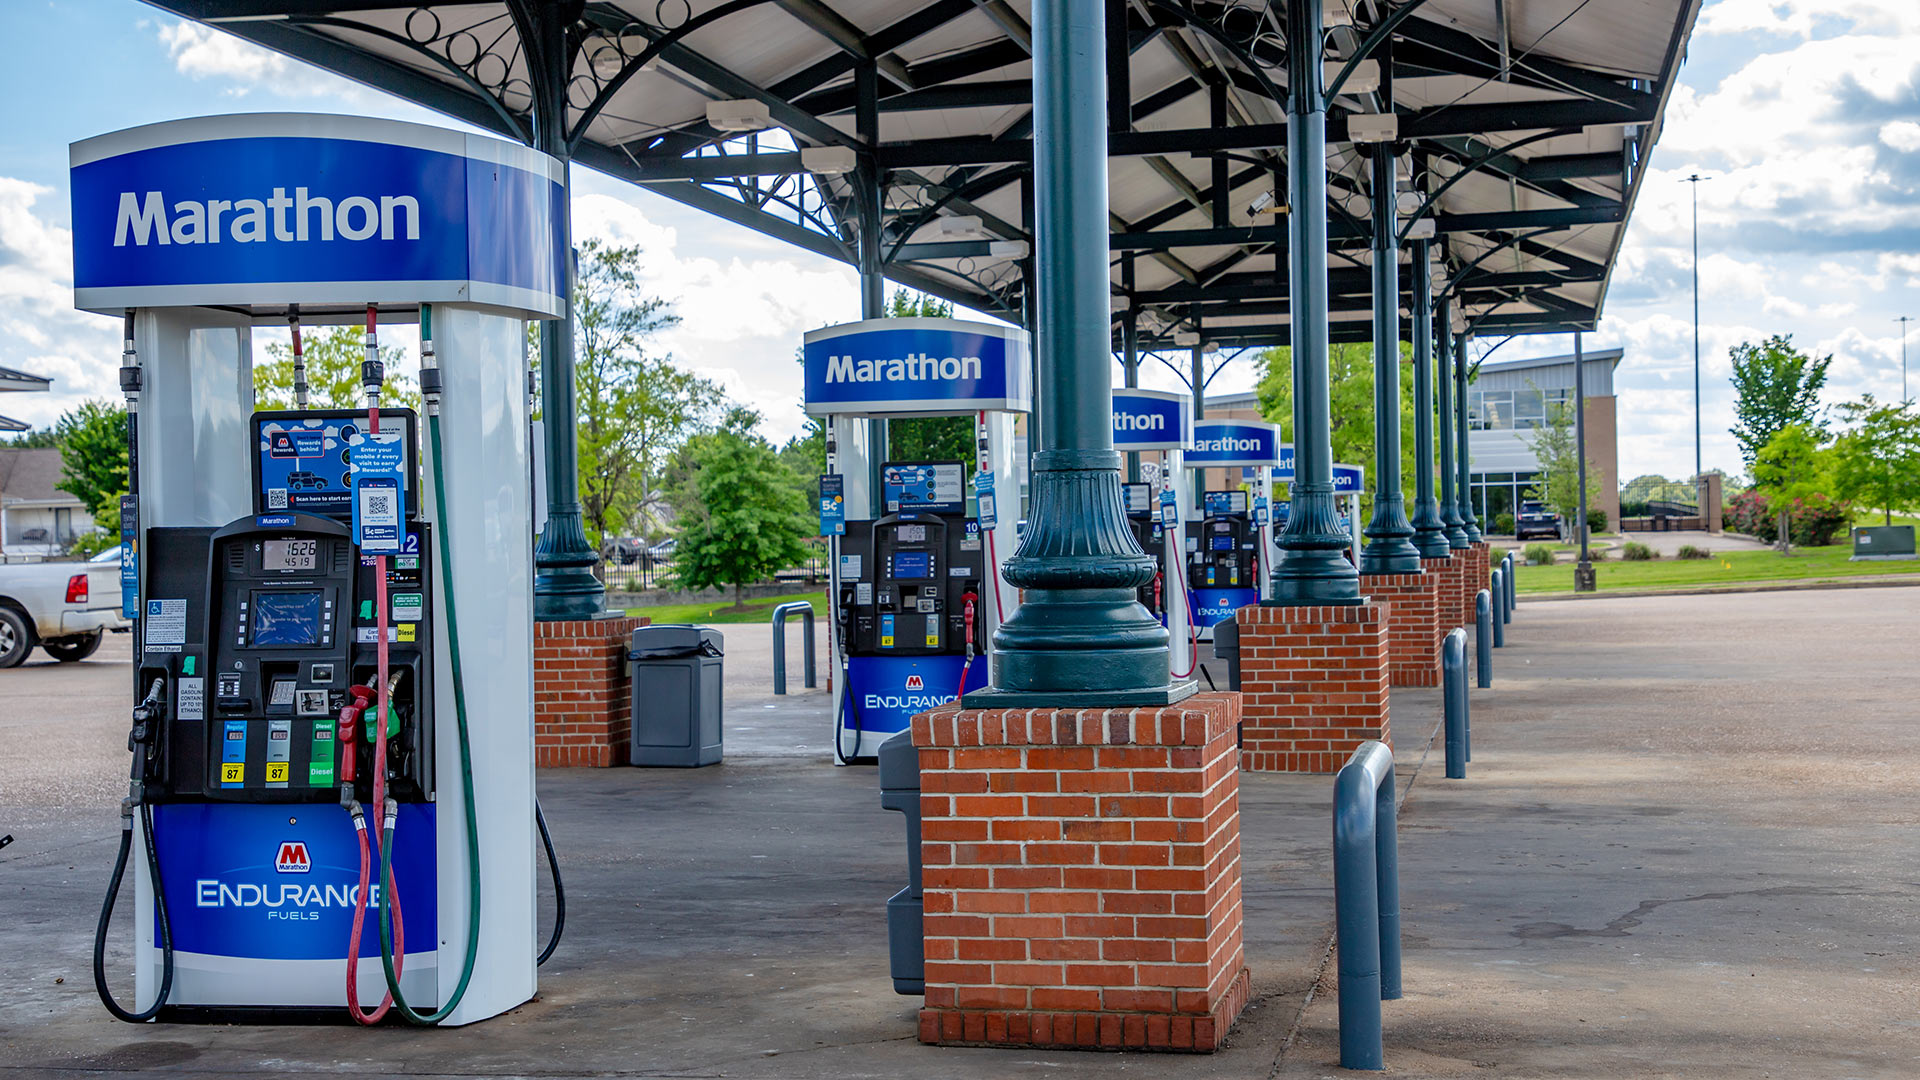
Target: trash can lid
x,y
676,638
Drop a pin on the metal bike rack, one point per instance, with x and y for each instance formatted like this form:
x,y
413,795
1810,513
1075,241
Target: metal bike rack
x,y
805,610
1366,899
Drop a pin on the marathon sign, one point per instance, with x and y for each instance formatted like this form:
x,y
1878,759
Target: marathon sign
x,y
1347,479
1151,420
916,367
1231,443
279,208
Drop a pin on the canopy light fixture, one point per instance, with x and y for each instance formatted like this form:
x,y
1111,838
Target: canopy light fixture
x,y
1335,14
827,160
1008,249
739,114
1422,230
1186,339
1364,80
958,227
1373,127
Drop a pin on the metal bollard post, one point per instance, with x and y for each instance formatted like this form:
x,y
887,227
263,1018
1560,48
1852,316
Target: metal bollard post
x,y
1366,900
1499,598
1453,672
1513,596
1483,635
805,610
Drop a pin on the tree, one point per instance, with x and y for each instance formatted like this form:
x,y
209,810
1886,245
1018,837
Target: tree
x,y
39,439
93,457
1776,386
333,357
1878,459
1350,364
634,408
742,514
1555,447
1792,467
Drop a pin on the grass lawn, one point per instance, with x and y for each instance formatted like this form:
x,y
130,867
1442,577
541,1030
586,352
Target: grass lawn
x,y
1723,569
757,610
1864,517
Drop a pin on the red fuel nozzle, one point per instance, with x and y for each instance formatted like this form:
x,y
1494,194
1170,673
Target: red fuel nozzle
x,y
349,728
1158,601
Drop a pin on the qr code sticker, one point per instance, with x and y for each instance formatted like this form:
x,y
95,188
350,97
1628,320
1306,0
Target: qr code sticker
x,y
276,498
379,504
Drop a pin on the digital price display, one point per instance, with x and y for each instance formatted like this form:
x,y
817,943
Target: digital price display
x,y
289,554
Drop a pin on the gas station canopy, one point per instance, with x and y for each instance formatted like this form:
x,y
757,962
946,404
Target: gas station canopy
x,y
1525,123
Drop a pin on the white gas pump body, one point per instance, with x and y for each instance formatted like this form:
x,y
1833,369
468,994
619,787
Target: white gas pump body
x,y
481,208
1160,423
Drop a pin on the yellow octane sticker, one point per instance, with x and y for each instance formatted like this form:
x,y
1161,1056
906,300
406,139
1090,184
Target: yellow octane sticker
x,y
276,772
233,773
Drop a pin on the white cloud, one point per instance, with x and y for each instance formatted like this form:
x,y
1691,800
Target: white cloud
x,y
199,51
1902,135
1804,18
40,332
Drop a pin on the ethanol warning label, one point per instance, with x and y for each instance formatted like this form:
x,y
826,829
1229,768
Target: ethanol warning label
x,y
166,622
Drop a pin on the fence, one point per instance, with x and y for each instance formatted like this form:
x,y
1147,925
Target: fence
x,y
1366,900
647,572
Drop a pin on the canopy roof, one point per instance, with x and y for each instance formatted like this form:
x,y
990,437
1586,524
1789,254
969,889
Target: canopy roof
x,y
1530,119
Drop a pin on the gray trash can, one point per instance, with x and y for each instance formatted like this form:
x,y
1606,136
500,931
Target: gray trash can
x,y
677,698
906,910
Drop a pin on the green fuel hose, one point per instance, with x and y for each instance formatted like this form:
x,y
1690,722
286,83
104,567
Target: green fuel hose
x,y
466,774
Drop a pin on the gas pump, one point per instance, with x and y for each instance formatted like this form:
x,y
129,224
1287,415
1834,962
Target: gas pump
x,y
1349,482
915,565
334,607
1227,550
1159,425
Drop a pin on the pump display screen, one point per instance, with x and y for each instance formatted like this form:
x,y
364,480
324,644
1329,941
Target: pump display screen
x,y
1222,543
289,554
916,565
1226,502
1139,498
286,620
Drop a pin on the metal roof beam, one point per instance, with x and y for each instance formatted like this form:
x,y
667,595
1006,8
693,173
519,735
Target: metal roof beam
x,y
831,25
1427,44
1570,167
923,21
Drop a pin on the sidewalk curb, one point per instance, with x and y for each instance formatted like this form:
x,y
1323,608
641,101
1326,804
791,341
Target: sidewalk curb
x,y
1900,581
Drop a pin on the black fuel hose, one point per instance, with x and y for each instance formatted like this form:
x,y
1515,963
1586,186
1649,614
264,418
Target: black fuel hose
x,y
106,921
559,890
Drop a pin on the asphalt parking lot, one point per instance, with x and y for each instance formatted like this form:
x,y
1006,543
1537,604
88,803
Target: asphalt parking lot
x,y
1684,849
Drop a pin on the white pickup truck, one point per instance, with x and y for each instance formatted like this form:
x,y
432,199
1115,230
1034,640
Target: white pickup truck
x,y
63,607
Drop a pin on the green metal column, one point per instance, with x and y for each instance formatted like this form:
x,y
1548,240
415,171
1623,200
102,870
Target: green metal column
x,y
1467,521
564,585
873,281
1081,638
1449,499
1429,528
1390,548
1129,338
1311,568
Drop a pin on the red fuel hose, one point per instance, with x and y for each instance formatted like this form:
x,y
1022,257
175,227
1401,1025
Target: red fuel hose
x,y
1193,633
961,690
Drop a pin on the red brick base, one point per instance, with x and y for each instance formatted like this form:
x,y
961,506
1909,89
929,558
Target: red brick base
x,y
1413,621
1315,684
582,693
1082,876
1478,571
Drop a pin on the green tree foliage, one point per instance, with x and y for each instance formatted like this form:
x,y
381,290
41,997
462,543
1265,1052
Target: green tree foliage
x,y
1877,460
41,439
1558,483
1776,386
93,457
634,409
1792,468
742,515
333,356
1350,407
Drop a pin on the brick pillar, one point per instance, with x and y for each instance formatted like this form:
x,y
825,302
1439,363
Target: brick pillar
x,y
1314,681
582,694
1479,569
1413,624
1082,876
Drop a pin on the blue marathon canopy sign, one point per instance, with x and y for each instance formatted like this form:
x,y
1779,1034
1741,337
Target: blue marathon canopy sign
x,y
923,367
1151,420
278,208
1347,479
1233,442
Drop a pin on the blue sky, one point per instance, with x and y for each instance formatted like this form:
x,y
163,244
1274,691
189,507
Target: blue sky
x,y
1805,112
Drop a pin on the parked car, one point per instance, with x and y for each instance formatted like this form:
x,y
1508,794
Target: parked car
x,y
625,550
662,552
64,608
1535,519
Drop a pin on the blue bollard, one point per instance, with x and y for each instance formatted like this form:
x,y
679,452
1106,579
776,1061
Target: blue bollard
x,y
1453,674
1499,598
1366,899
1512,595
1483,635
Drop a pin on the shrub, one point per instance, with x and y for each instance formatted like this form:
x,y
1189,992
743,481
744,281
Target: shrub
x,y
1635,551
1688,551
1748,513
1539,555
1812,521
1503,524
1598,554
1596,520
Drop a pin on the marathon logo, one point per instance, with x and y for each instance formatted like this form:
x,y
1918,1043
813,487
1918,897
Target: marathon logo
x,y
915,682
914,367
1228,444
143,219
1139,422
292,858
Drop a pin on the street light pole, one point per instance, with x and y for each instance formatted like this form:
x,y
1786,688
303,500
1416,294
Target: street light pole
x,y
1696,180
1903,321
1583,577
